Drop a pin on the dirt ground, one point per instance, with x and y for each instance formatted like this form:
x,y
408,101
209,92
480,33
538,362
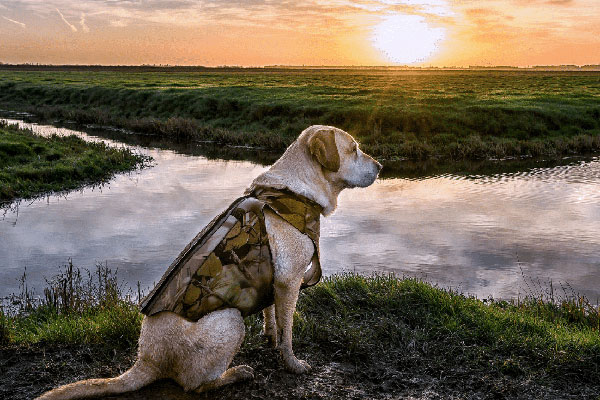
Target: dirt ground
x,y
26,372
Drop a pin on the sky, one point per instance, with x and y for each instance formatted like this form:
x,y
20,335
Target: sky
x,y
301,32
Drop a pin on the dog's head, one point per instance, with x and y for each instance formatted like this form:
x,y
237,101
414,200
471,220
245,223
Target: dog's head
x,y
323,161
340,158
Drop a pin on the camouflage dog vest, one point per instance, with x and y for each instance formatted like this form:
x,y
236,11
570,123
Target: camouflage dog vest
x,y
229,263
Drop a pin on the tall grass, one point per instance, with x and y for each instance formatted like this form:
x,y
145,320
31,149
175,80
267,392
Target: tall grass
x,y
77,307
454,115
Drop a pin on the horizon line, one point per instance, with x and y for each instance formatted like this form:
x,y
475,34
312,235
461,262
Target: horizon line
x,y
291,66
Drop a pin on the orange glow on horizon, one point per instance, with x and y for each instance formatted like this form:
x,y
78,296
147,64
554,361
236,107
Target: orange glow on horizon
x,y
306,32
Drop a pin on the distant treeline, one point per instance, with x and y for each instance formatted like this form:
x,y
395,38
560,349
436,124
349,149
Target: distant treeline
x,y
276,68
121,68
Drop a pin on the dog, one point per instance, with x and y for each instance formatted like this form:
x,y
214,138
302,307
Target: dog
x,y
318,165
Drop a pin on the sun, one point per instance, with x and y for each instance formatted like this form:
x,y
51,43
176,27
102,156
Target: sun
x,y
406,39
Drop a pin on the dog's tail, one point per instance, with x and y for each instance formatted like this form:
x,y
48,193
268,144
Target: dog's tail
x,y
135,378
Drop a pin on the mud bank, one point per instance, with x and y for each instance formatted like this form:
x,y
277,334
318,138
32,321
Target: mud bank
x,y
26,372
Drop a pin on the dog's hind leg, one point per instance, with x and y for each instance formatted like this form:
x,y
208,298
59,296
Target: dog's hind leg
x,y
135,378
232,375
213,341
270,325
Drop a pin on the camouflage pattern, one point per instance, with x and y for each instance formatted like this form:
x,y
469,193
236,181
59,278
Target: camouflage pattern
x,y
229,263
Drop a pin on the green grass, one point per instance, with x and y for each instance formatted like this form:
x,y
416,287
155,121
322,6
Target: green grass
x,y
77,307
395,114
384,317
32,165
378,320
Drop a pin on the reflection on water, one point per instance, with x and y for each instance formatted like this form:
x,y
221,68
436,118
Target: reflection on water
x,y
477,233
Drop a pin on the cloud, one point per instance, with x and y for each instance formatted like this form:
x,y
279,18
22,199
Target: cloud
x,y
118,23
478,12
15,22
84,27
73,28
440,8
314,16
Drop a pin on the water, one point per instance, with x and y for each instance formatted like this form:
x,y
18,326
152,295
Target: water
x,y
503,235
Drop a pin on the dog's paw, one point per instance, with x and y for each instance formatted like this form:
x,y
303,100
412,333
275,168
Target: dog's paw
x,y
244,372
271,339
297,366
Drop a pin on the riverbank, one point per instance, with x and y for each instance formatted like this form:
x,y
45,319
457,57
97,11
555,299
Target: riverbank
x,y
32,165
457,115
366,337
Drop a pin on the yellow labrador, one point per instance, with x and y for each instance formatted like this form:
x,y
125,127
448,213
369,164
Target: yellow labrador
x,y
321,163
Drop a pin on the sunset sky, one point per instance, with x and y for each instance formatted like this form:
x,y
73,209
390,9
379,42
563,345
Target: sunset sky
x,y
302,32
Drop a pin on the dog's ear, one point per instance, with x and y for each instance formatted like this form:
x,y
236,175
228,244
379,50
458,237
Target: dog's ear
x,y
323,147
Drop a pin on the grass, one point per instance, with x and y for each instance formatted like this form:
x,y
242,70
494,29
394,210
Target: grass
x,y
32,165
377,320
412,318
395,114
77,307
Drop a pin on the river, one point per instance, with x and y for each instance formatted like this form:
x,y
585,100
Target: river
x,y
503,235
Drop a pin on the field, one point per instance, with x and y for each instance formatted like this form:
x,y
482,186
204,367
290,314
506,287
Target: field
x,y
394,114
32,165
372,337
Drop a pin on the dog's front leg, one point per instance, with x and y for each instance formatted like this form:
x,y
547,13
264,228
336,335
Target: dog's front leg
x,y
286,297
270,325
292,252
